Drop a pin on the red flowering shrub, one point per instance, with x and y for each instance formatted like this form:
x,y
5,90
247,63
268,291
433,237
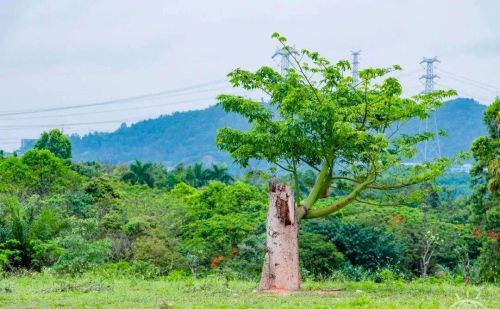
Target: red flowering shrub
x,y
477,232
493,236
216,261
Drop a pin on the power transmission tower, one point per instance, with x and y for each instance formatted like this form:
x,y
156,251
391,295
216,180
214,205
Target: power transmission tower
x,y
285,63
355,67
432,149
429,73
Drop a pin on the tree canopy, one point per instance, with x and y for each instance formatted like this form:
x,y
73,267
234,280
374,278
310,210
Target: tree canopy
x,y
56,142
317,118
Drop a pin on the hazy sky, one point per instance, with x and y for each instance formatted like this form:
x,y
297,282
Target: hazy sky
x,y
60,53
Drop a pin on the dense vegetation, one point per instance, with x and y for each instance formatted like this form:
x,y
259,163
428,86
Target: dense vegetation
x,y
189,137
145,220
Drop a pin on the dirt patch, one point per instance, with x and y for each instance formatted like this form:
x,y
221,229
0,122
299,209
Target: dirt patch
x,y
281,292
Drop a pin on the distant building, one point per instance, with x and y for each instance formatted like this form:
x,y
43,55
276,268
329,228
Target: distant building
x,y
26,144
456,168
462,168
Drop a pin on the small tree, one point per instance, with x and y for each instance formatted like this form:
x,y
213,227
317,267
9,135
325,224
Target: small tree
x,y
196,175
56,142
48,173
140,174
220,173
426,250
347,133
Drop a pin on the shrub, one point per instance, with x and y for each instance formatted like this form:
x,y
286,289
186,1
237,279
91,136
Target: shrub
x,y
250,256
369,247
489,261
80,254
44,253
154,250
318,256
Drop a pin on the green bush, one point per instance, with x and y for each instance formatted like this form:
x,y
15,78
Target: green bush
x,y
219,217
319,257
44,253
144,270
155,250
369,247
249,258
80,254
489,261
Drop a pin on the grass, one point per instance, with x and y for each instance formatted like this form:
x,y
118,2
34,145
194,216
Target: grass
x,y
91,291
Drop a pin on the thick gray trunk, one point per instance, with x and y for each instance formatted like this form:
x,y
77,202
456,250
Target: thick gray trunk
x,y
281,264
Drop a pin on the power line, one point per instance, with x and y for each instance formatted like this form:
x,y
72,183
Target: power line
x,y
472,84
467,93
400,74
193,100
11,127
5,127
470,79
110,102
73,124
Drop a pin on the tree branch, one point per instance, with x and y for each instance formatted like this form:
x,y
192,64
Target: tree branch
x,y
314,167
338,205
284,168
322,180
345,178
314,89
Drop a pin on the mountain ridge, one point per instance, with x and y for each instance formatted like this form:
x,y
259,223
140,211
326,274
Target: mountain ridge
x,y
188,137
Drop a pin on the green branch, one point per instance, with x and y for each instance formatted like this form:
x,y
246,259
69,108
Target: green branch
x,y
322,181
338,205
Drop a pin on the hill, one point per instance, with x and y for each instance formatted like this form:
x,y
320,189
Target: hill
x,y
180,137
189,137
461,119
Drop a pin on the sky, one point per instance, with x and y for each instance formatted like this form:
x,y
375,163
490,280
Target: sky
x,y
62,53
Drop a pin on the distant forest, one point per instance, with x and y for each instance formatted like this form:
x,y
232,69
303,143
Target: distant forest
x,y
189,137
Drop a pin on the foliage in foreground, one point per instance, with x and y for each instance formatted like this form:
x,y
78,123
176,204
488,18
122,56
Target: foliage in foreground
x,y
82,222
68,218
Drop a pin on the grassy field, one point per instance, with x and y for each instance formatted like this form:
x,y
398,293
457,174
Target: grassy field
x,y
46,291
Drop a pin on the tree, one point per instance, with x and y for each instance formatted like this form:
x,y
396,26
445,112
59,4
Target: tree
x,y
318,119
48,173
15,177
56,142
485,199
218,217
220,173
196,175
140,174
429,243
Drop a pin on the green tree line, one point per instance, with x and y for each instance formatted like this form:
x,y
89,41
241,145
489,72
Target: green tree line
x,y
148,220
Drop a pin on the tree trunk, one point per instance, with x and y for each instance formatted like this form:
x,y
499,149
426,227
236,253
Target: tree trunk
x,y
280,272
